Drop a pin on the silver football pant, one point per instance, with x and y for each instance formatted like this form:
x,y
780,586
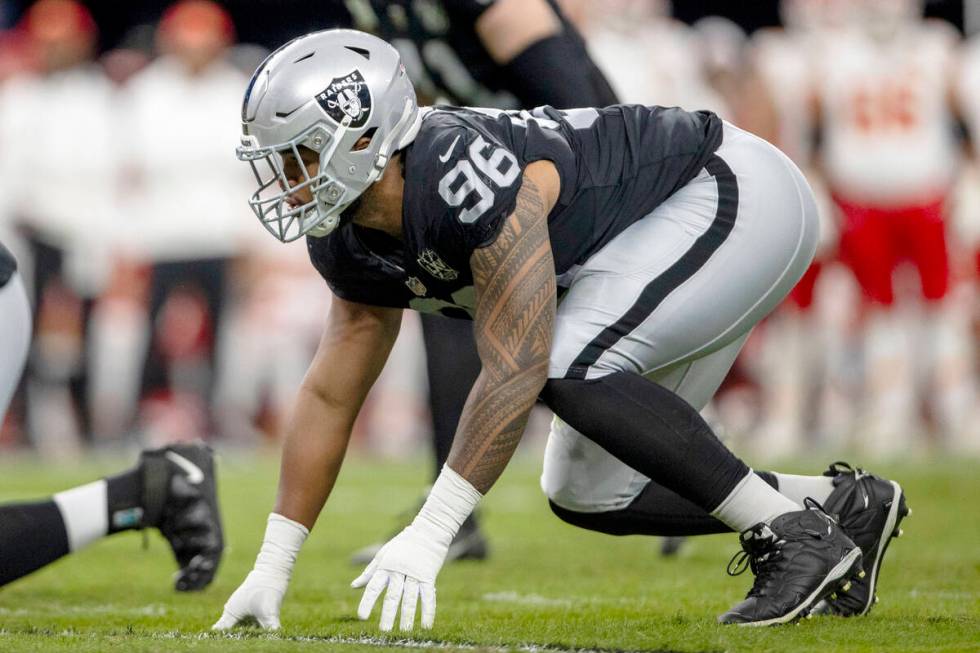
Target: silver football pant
x,y
673,298
15,338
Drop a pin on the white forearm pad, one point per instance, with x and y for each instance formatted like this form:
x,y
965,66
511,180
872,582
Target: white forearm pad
x,y
450,502
283,539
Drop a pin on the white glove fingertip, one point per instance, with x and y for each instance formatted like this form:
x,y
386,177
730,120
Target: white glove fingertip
x,y
360,581
428,592
269,622
410,599
365,576
371,593
225,622
393,598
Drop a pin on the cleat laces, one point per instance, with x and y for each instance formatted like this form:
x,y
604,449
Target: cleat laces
x,y
762,552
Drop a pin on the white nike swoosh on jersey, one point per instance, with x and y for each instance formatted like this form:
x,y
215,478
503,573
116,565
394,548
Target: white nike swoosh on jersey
x,y
194,473
445,157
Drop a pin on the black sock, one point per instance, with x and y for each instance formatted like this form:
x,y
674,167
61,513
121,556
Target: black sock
x,y
655,511
652,430
124,493
32,535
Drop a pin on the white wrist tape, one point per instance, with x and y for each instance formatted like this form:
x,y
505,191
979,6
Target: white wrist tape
x,y
283,539
450,502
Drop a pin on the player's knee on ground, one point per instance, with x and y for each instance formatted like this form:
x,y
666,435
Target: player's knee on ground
x,y
662,436
581,476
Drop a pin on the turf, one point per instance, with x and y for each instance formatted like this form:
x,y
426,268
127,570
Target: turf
x,y
548,586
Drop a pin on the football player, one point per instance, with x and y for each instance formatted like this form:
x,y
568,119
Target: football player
x,y
504,54
888,90
171,489
666,235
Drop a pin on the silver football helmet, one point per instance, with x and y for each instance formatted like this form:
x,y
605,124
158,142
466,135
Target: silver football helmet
x,y
324,91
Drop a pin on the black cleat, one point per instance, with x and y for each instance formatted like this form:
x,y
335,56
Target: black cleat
x,y
870,509
469,544
798,559
671,545
180,499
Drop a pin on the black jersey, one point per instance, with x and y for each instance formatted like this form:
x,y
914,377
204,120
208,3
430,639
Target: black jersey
x,y
8,265
462,176
447,61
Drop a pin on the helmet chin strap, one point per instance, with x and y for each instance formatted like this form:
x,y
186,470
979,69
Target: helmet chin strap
x,y
330,223
384,152
335,140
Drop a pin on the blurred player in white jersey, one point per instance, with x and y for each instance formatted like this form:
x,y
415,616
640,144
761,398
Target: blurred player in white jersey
x,y
795,373
186,230
966,228
50,121
57,168
667,66
890,157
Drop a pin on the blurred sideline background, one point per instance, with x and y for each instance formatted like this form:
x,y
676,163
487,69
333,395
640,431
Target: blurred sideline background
x,y
163,311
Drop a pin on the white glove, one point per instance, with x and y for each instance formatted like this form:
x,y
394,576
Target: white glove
x,y
409,563
260,595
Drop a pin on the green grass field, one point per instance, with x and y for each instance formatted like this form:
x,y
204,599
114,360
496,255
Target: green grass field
x,y
547,587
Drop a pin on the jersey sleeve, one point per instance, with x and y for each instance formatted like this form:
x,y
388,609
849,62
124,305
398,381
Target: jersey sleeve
x,y
462,183
350,274
467,10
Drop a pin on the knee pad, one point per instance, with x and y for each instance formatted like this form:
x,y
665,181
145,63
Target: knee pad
x,y
650,429
580,475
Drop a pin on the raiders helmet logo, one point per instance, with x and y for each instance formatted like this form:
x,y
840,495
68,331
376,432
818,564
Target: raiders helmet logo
x,y
435,266
347,97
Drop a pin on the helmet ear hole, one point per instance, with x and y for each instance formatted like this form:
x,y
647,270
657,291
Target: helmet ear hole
x,y
364,141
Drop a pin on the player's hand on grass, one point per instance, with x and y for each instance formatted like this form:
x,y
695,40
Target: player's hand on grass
x,y
406,567
259,597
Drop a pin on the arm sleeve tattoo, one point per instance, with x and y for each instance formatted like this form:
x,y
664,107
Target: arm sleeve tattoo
x,y
514,279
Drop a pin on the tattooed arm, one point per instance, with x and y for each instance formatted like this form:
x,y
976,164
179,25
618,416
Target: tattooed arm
x,y
514,278
515,313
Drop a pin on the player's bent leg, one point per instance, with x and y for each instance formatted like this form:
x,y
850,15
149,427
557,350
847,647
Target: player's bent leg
x,y
589,488
665,439
678,286
15,337
33,535
799,556
171,489
656,511
580,475
683,286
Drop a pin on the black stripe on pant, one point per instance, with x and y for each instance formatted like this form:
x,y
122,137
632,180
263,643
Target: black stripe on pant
x,y
683,269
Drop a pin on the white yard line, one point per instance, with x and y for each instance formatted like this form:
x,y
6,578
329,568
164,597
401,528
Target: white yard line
x,y
361,640
381,642
152,610
528,599
517,598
